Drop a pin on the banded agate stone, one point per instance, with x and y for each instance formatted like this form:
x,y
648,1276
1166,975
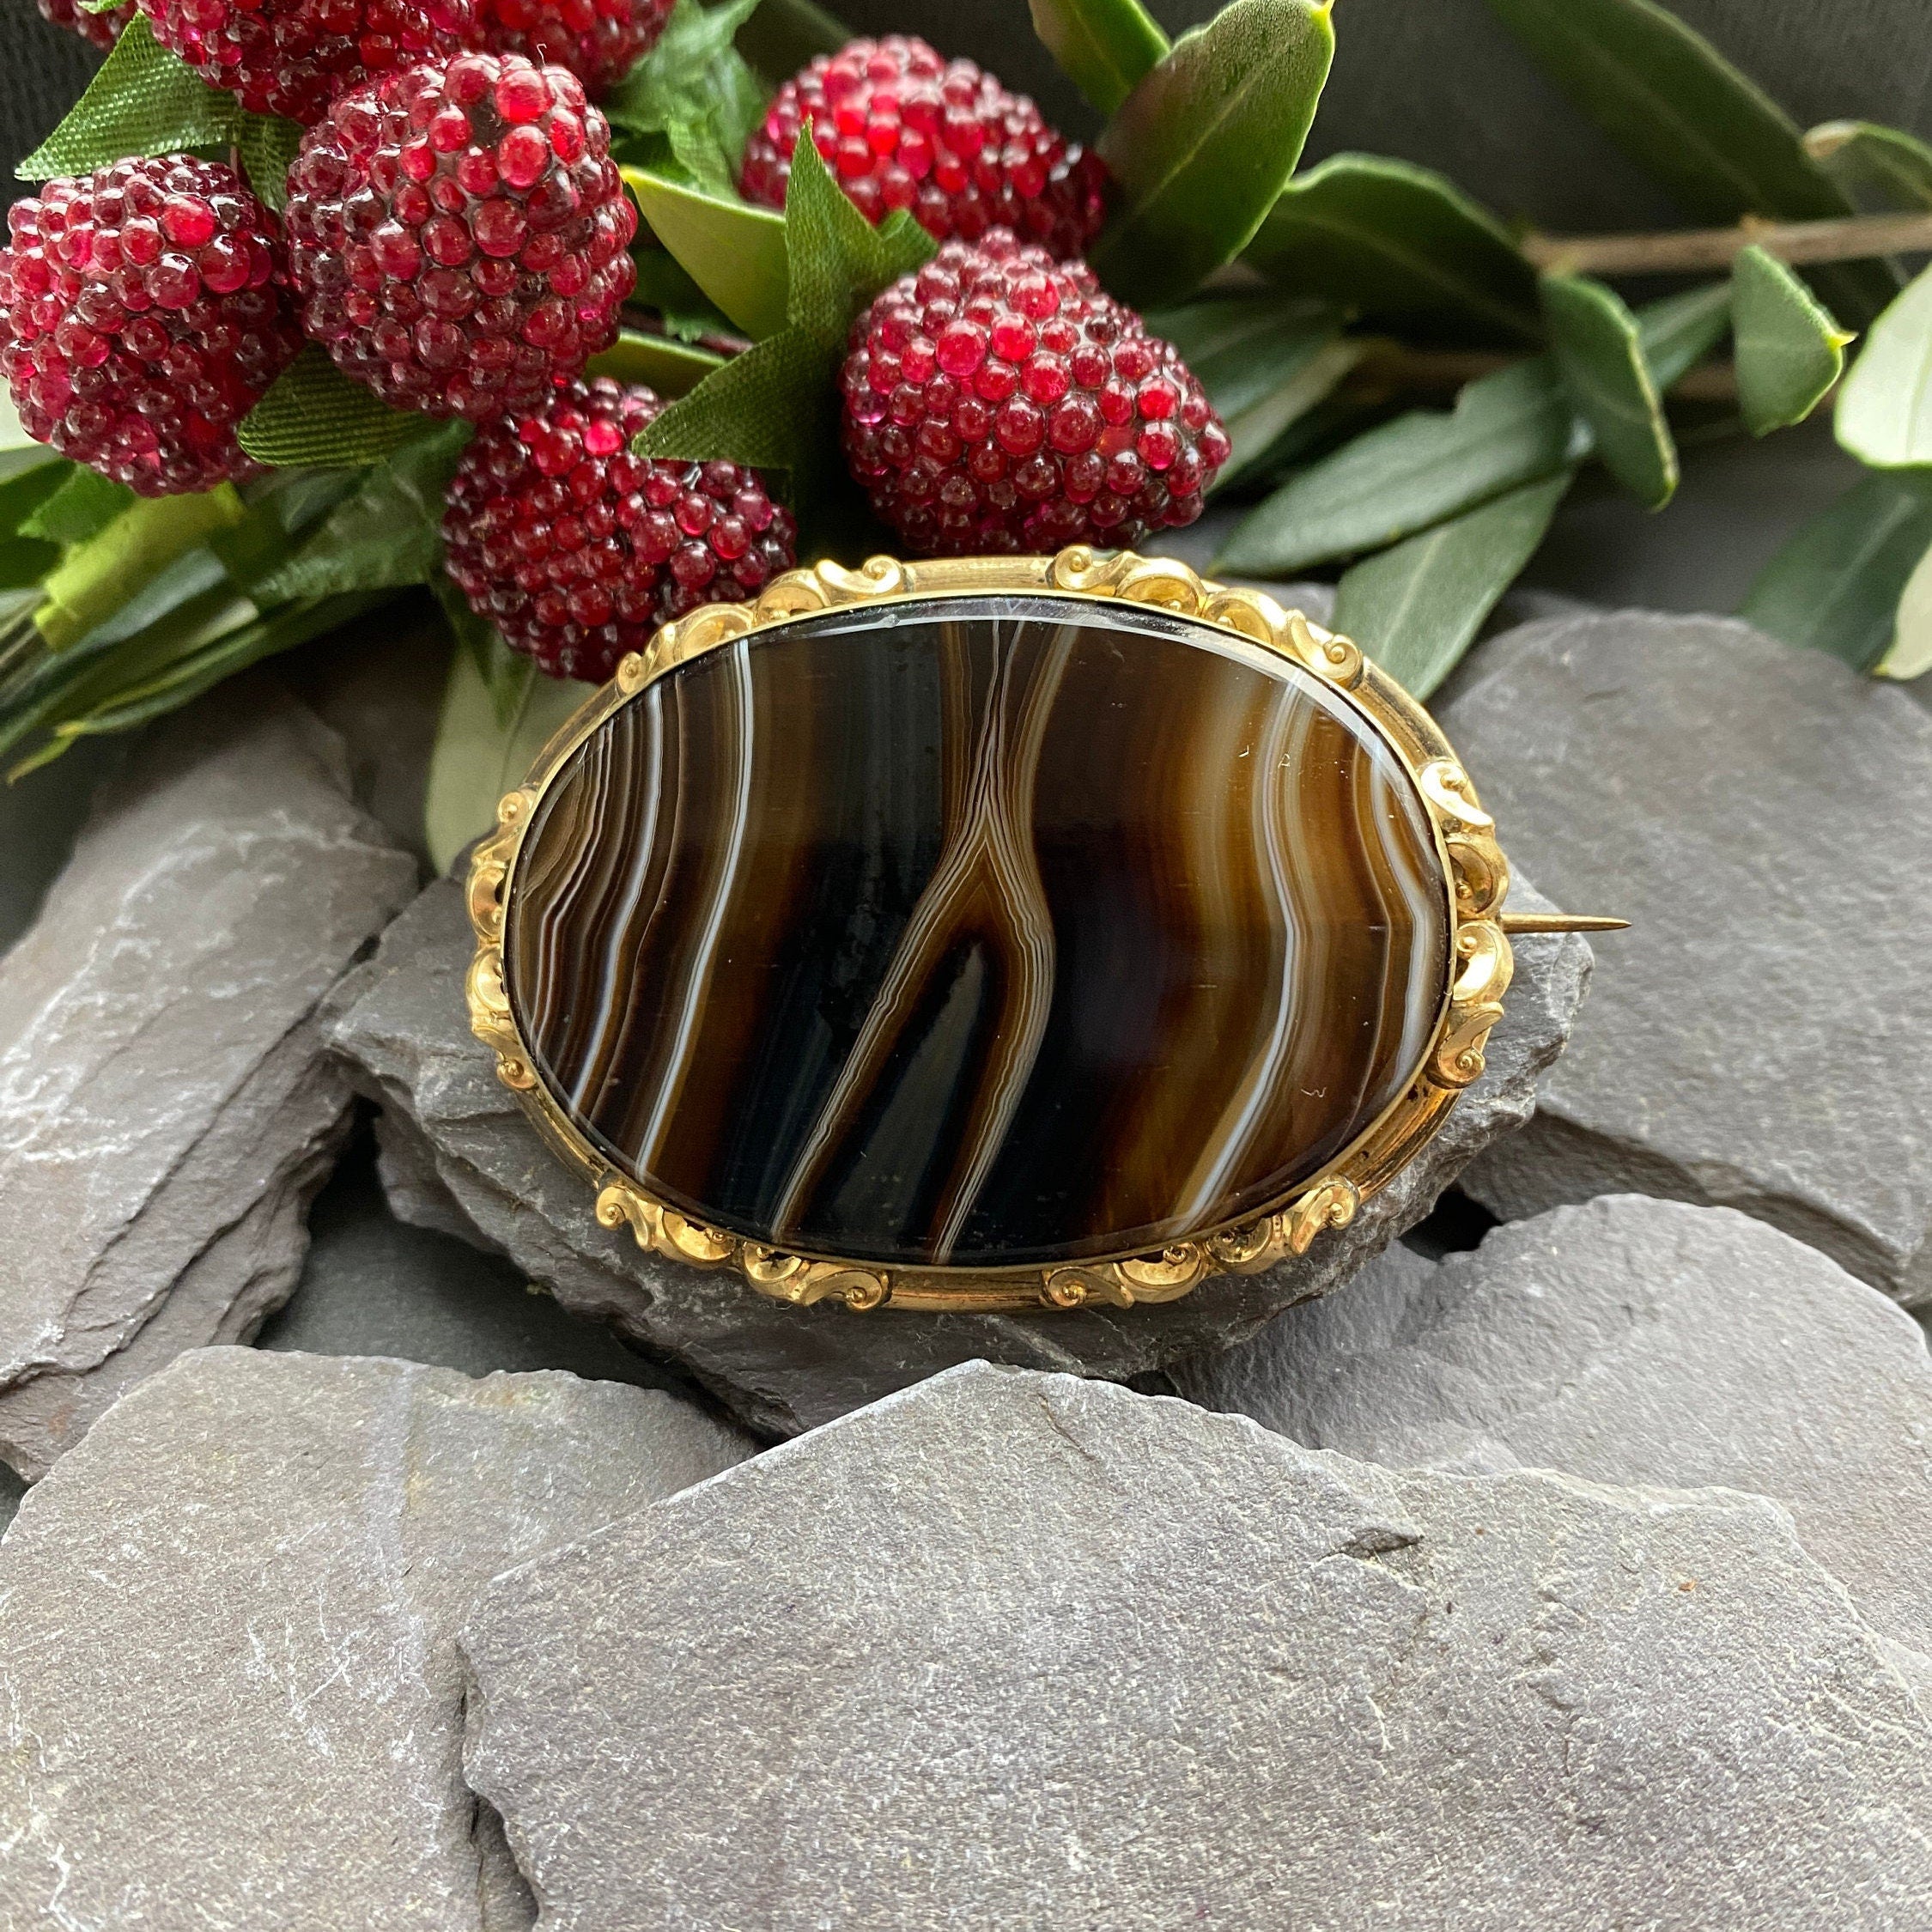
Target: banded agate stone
x,y
979,932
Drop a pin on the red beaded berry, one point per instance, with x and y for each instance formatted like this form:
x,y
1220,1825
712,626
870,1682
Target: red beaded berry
x,y
998,400
143,311
458,234
902,128
596,40
102,28
577,550
293,56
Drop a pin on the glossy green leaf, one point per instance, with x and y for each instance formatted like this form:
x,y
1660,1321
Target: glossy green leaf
x,y
1681,111
1264,363
664,285
1878,168
1910,653
83,506
1788,345
1205,144
672,369
1594,338
735,252
784,35
1836,585
313,414
1103,46
1679,331
1400,246
387,534
1884,413
1506,429
25,560
1416,608
482,751
143,101
505,672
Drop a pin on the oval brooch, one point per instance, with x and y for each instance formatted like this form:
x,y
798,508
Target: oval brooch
x,y
992,933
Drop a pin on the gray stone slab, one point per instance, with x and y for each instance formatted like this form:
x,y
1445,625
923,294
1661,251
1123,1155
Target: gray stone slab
x,y
1629,1340
229,1692
1760,1039
167,1106
464,1154
1022,1651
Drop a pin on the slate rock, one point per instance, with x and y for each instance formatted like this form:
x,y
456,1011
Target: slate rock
x,y
1629,1340
1020,1650
229,1690
1760,1039
458,1152
168,1108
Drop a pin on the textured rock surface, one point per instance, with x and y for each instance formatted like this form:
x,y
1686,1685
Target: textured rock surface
x,y
1081,1657
1630,1340
784,1368
167,1106
229,1692
1759,812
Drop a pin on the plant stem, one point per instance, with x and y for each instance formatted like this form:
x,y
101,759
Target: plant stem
x,y
1686,251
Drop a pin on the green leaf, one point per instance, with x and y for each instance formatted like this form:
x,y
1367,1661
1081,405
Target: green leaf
x,y
1506,429
268,145
107,576
479,754
734,252
664,285
1720,145
1594,337
505,672
25,560
695,88
1401,246
83,506
1679,331
784,35
1884,414
1910,652
1836,585
386,535
143,101
672,369
1416,609
1789,347
315,414
1880,168
776,407
1102,46
1205,142
1264,363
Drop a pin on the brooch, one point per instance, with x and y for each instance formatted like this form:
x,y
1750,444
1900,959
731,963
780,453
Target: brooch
x,y
1010,933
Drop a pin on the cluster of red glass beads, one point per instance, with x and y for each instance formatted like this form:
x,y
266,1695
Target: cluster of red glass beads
x,y
146,313
459,235
902,128
999,400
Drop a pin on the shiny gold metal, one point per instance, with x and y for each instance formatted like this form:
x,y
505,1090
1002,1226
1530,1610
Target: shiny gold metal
x,y
1476,871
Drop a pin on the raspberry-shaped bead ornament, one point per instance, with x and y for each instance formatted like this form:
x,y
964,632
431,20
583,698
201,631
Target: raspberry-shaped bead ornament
x,y
999,400
458,234
902,128
143,311
102,28
596,40
577,550
293,56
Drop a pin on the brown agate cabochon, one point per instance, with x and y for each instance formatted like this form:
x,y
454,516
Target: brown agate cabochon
x,y
979,931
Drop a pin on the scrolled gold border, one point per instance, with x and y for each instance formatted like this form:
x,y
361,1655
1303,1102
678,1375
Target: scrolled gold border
x,y
1476,875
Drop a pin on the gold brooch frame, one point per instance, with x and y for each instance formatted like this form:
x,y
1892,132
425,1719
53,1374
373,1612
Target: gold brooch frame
x,y
1477,873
